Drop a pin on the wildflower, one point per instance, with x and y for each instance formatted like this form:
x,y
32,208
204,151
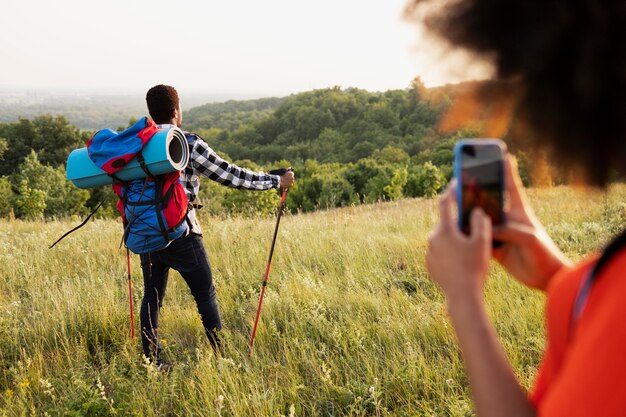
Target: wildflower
x,y
219,403
372,388
23,384
449,382
326,373
149,365
101,389
225,363
102,392
292,410
8,393
47,387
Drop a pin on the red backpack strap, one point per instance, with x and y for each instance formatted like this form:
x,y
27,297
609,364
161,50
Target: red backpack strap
x,y
175,202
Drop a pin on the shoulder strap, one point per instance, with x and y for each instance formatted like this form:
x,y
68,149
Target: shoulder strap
x,y
609,252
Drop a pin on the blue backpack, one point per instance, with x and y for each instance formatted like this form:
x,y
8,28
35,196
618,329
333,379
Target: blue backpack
x,y
154,209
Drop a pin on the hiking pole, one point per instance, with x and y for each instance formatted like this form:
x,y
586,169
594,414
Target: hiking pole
x,y
269,262
130,296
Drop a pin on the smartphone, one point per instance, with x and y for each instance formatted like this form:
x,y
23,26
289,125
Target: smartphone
x,y
479,170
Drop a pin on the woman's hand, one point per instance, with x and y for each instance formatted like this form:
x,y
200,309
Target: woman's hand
x,y
528,253
456,262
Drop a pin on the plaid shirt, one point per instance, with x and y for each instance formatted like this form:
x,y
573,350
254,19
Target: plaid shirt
x,y
204,161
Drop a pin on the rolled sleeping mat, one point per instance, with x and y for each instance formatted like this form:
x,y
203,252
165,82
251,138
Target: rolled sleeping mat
x,y
167,151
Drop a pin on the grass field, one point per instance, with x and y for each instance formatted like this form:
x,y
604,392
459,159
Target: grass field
x,y
351,324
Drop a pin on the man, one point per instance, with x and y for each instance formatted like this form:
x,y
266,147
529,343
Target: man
x,y
187,254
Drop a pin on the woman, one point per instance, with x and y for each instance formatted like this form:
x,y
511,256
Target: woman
x,y
565,63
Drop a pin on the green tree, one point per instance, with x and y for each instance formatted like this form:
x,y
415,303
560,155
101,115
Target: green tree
x,y
336,192
424,181
329,125
391,155
381,114
359,175
29,203
56,138
107,197
6,197
363,150
441,153
419,92
305,193
61,198
326,145
310,121
247,136
214,137
3,147
53,138
375,187
250,202
393,190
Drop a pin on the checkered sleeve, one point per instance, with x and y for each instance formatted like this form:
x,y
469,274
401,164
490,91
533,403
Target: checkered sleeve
x,y
207,163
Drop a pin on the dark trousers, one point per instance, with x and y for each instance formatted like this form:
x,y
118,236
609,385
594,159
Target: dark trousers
x,y
187,256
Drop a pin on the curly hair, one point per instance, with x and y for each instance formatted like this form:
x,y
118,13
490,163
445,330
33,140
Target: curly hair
x,y
162,101
567,61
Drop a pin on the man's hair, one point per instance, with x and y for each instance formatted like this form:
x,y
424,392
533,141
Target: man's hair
x,y
162,101
565,62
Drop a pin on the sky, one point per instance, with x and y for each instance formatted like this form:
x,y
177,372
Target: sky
x,y
240,47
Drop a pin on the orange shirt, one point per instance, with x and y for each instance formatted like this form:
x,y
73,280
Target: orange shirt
x,y
583,372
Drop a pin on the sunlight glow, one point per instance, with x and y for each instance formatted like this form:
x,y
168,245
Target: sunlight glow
x,y
274,47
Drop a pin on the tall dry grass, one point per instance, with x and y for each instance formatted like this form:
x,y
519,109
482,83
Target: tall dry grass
x,y
351,324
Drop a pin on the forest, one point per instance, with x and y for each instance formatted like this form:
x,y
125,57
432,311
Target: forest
x,y
347,146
